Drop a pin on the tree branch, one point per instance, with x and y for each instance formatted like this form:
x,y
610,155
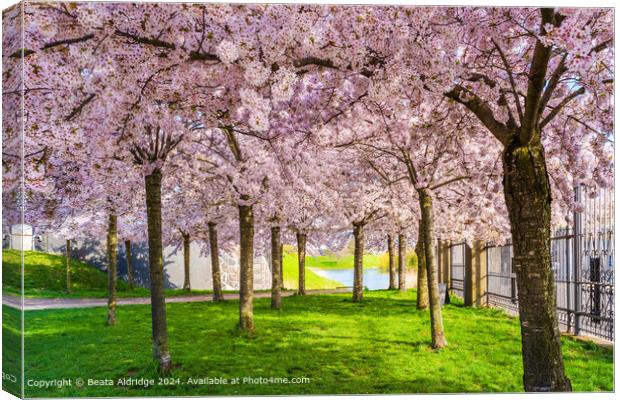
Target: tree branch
x,y
78,110
145,40
482,110
68,41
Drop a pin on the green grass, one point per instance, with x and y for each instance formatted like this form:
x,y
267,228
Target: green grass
x,y
290,275
45,277
378,346
327,262
334,261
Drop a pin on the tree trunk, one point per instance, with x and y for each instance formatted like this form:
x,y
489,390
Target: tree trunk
x,y
358,263
112,245
392,262
156,269
402,263
216,275
129,267
68,263
276,268
301,262
426,206
246,260
186,257
528,199
422,301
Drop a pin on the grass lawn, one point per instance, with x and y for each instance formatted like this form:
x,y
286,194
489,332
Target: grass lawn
x,y
378,346
290,275
45,276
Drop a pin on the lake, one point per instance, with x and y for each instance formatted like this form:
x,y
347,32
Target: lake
x,y
374,278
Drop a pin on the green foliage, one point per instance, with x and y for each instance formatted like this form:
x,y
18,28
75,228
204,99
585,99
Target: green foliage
x,y
378,346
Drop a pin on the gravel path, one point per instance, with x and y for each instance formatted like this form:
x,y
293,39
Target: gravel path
x,y
48,303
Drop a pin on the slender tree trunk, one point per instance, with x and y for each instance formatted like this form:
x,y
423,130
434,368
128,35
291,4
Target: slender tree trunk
x,y
301,262
392,262
156,268
246,259
112,252
422,302
358,263
68,263
402,263
276,268
528,199
129,266
426,206
216,275
186,257
282,264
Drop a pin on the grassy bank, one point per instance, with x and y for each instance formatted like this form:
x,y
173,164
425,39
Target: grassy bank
x,y
290,275
378,346
45,276
333,261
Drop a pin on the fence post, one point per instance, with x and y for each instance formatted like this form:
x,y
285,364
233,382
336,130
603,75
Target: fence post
x,y
481,271
447,273
577,229
474,277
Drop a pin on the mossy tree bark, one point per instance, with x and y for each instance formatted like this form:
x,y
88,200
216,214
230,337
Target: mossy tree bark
x,y
246,259
358,262
528,198
301,262
216,274
112,251
392,261
426,207
129,266
161,352
186,262
402,263
68,263
276,268
422,295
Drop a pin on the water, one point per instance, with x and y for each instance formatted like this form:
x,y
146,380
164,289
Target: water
x,y
374,278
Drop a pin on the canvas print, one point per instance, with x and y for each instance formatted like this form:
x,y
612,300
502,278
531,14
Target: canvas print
x,y
211,199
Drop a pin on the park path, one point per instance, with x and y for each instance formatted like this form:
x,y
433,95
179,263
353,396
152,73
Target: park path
x,y
53,303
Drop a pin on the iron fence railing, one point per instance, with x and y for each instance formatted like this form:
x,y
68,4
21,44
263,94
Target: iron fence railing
x,y
583,266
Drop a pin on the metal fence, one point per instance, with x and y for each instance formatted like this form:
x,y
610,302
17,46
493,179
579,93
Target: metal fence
x,y
582,259
457,269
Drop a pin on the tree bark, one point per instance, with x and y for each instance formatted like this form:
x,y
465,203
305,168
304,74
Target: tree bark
x,y
358,263
68,263
301,262
129,266
112,249
216,275
156,268
246,260
528,199
276,268
392,262
186,258
422,298
402,263
426,206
